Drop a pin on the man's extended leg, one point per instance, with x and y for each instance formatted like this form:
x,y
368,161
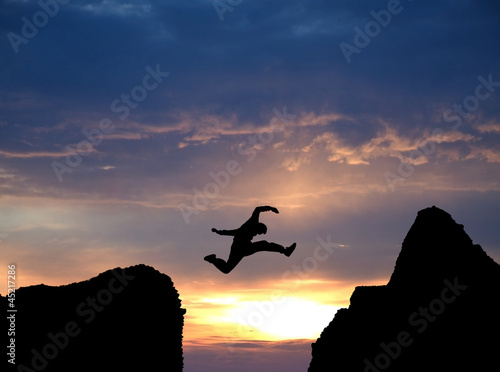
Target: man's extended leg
x,y
265,246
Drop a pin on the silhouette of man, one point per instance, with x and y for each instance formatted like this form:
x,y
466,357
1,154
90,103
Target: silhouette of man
x,y
242,242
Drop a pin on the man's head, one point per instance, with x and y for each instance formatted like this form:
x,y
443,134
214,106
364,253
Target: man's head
x,y
261,228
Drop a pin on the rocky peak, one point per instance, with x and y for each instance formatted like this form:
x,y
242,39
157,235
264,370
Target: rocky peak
x,y
435,248
437,312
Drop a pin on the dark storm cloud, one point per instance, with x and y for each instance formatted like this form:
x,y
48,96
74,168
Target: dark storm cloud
x,y
91,52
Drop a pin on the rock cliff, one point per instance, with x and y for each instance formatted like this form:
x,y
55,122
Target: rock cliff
x,y
438,312
122,320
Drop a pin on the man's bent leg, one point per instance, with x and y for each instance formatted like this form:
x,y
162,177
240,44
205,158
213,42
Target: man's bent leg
x,y
226,267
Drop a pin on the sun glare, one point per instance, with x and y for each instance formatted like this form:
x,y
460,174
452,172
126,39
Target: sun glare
x,y
290,318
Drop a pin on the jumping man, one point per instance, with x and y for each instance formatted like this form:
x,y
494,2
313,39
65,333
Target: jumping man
x,y
242,242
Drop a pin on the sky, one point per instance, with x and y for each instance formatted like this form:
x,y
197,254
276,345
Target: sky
x,y
129,129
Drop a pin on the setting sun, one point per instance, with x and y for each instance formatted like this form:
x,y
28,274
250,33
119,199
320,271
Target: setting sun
x,y
290,318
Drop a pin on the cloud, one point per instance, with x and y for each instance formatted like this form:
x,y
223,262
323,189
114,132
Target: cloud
x,y
490,155
307,119
420,148
29,155
451,137
110,7
489,127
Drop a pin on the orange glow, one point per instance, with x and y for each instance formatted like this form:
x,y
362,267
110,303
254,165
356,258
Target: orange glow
x,y
271,312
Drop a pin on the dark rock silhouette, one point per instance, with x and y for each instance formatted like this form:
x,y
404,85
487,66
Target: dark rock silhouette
x,y
440,310
122,320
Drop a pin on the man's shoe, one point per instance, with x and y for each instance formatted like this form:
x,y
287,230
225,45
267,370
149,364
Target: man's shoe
x,y
290,249
210,258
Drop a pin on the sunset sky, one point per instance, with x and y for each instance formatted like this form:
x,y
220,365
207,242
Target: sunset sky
x,y
128,129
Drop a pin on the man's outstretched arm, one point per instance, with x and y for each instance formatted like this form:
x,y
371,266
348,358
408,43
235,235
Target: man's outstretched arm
x,y
225,232
256,212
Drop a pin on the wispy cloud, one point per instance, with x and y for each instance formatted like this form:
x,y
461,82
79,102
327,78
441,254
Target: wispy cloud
x,y
489,127
389,143
34,154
